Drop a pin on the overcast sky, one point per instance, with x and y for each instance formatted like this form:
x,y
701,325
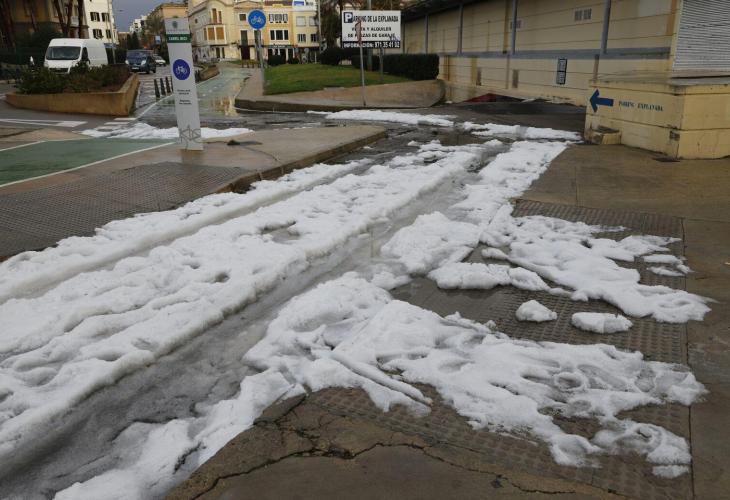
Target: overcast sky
x,y
126,10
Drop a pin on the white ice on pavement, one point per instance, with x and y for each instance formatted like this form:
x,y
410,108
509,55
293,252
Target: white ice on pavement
x,y
29,271
498,130
391,116
432,240
569,254
475,275
63,344
507,176
141,130
350,333
532,310
600,322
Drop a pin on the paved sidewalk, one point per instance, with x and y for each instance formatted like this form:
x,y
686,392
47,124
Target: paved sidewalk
x,y
336,443
404,95
37,213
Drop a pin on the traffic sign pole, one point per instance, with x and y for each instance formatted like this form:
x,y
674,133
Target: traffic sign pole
x,y
358,26
257,20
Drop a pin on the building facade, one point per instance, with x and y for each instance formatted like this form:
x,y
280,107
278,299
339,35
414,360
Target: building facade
x,y
554,48
221,31
72,18
100,20
137,25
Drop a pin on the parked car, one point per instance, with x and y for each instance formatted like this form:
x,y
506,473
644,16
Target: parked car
x,y
65,53
160,61
141,60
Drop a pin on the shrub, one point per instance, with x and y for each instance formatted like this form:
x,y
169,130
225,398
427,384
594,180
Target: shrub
x,y
81,78
293,60
41,81
332,56
413,66
275,60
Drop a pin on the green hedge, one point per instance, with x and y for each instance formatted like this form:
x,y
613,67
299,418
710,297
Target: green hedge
x,y
413,66
275,60
80,79
332,56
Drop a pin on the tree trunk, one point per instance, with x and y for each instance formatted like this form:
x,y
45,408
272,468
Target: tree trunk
x,y
7,27
64,24
83,27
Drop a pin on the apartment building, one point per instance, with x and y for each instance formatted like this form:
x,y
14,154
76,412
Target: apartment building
x,y
220,29
72,18
100,20
137,25
554,48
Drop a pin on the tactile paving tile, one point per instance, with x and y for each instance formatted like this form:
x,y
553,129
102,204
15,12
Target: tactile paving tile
x,y
37,219
626,474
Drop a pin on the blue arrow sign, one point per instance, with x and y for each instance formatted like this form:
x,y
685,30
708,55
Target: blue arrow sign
x,y
600,101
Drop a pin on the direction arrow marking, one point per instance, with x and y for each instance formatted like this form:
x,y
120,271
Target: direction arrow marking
x,y
600,101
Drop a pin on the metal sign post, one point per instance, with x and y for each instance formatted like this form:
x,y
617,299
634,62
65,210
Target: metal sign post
x,y
177,31
257,20
358,26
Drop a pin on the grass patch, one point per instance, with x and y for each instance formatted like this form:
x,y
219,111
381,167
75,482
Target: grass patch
x,y
304,77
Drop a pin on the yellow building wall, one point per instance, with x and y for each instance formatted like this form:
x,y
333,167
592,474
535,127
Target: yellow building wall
x,y
547,31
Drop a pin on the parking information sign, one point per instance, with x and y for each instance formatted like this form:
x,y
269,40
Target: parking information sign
x,y
380,28
177,32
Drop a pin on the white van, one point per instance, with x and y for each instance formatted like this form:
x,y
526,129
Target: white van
x,y
64,53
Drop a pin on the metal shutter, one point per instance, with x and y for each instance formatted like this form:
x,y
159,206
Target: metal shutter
x,y
703,42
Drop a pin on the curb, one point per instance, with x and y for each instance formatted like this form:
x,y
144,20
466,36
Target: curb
x,y
244,182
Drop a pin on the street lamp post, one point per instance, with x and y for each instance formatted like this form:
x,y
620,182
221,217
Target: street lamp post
x,y
109,11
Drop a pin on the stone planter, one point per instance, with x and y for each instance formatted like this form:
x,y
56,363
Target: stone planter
x,y
118,103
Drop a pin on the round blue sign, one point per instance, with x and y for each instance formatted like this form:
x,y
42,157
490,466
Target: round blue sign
x,y
256,19
180,69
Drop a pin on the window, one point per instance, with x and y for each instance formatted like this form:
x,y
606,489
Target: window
x,y
109,34
97,34
301,21
313,38
313,21
278,18
94,16
301,37
244,38
242,17
583,15
219,34
279,34
105,16
210,33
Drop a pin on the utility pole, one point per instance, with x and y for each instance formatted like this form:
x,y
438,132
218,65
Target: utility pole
x,y
370,51
109,12
319,29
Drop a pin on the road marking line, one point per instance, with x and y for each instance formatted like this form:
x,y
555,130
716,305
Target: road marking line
x,y
49,123
20,146
88,164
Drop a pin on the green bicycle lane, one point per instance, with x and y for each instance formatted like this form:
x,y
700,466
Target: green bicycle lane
x,y
50,157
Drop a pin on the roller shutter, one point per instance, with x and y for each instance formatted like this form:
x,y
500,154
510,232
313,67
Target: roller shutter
x,y
703,42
